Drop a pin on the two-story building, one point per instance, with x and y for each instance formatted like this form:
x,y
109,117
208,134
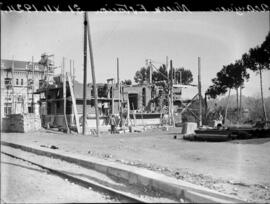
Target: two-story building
x,y
18,82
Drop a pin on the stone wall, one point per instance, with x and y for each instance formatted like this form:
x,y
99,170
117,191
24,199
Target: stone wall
x,y
21,123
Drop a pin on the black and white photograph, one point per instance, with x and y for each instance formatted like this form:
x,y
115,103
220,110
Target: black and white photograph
x,y
135,106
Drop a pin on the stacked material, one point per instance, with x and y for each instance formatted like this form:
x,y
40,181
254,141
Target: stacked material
x,y
23,122
189,128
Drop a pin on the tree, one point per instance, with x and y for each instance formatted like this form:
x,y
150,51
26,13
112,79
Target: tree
x,y
161,75
230,76
182,75
258,60
142,75
127,82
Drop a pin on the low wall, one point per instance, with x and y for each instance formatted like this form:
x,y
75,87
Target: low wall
x,y
59,121
21,123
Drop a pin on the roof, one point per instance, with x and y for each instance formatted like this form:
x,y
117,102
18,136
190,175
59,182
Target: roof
x,y
18,65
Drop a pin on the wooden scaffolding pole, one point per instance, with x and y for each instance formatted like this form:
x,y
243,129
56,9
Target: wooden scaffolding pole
x,y
33,85
200,91
171,95
13,83
64,95
74,104
93,74
84,73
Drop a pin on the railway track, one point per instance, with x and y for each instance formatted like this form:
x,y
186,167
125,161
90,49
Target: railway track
x,y
112,193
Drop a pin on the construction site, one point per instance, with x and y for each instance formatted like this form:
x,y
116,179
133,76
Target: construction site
x,y
161,140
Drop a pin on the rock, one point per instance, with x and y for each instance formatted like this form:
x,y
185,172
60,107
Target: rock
x,y
53,147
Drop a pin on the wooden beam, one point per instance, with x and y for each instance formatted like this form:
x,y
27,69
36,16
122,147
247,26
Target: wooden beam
x,y
200,91
186,106
93,74
64,96
74,105
84,73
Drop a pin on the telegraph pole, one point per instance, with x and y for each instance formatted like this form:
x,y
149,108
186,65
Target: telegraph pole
x,y
73,78
167,66
118,85
13,93
84,72
33,83
93,74
200,91
171,100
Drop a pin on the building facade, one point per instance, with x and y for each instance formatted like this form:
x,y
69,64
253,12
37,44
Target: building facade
x,y
18,83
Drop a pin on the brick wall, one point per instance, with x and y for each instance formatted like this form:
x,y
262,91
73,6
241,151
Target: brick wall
x,y
21,123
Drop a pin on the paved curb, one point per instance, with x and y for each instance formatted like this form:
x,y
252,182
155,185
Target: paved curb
x,y
142,177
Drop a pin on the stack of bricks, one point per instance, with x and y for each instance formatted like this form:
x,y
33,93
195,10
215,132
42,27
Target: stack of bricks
x,y
24,122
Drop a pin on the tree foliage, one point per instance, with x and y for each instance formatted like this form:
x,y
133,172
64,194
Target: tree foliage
x,y
127,82
258,58
161,75
141,75
230,76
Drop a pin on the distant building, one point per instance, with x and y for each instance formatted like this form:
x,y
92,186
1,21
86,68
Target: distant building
x,y
25,82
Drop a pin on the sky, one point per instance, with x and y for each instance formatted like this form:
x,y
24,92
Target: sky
x,y
218,38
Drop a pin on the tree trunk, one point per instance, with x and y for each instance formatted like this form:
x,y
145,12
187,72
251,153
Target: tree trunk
x,y
263,105
240,105
237,106
227,105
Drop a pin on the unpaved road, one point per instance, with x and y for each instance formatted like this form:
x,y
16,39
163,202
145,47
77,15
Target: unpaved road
x,y
22,182
241,168
89,175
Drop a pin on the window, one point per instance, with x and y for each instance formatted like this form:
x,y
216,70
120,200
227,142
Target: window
x,y
7,110
17,81
21,81
144,97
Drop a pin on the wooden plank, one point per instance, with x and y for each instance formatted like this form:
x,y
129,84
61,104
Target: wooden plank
x,y
64,95
74,105
186,106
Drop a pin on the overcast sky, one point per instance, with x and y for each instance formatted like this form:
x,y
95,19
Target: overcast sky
x,y
219,38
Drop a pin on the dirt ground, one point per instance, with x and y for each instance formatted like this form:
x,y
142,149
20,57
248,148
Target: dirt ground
x,y
238,167
24,183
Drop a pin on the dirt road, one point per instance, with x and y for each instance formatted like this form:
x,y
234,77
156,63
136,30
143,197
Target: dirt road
x,y
239,167
25,183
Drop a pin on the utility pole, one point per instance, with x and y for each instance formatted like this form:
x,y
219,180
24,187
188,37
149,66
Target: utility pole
x,y
13,93
118,85
93,74
167,66
70,67
168,82
200,91
33,84
84,73
73,78
150,72
171,99
180,72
